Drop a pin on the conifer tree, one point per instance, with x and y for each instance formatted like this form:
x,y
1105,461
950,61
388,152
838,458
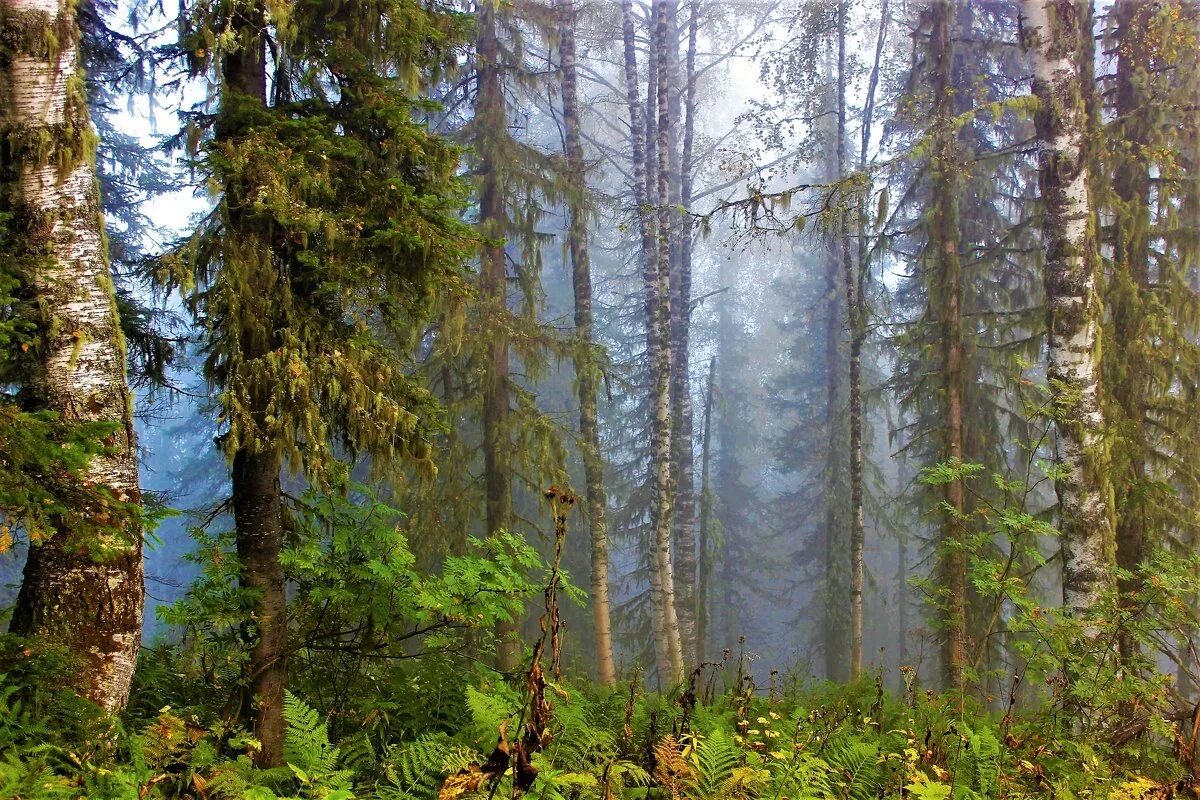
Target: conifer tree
x,y
1149,353
334,235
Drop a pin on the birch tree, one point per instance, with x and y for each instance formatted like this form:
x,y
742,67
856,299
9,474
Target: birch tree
x,y
1055,39
84,592
586,374
657,310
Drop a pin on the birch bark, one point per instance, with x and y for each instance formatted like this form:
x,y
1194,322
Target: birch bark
x,y
656,290
86,595
1054,40
586,375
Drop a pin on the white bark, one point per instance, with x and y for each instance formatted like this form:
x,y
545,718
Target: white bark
x,y
655,286
92,605
1054,39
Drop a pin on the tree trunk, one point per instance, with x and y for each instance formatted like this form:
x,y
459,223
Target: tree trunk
x,y
491,116
1053,36
654,284
1130,292
258,518
681,390
835,628
857,323
944,242
661,366
705,576
257,497
90,604
586,373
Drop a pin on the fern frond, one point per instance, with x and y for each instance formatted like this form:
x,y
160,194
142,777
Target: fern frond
x,y
419,768
855,764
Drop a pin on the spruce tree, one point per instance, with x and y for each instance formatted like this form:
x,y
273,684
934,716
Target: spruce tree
x,y
334,236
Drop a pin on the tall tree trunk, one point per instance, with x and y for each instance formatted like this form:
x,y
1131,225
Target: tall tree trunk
x,y
657,299
586,373
491,116
257,497
944,243
1054,38
1130,292
856,319
90,605
682,431
902,598
705,570
258,520
667,480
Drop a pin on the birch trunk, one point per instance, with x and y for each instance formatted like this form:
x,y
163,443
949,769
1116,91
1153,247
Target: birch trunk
x,y
654,284
91,605
705,567
491,116
586,374
856,320
681,297
1053,37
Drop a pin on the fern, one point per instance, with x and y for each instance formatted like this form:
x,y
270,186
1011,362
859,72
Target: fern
x,y
30,779
416,770
488,712
985,752
581,739
856,769
671,770
802,775
307,749
716,761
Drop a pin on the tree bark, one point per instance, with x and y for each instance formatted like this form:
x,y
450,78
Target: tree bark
x,y
86,595
683,432
491,116
586,374
258,519
944,242
705,567
666,480
257,497
1130,292
857,323
1054,38
657,298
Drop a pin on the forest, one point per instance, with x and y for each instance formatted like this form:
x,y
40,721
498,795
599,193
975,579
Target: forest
x,y
596,400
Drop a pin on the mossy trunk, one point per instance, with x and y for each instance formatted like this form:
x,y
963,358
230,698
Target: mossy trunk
x,y
257,496
657,299
1055,38
852,286
944,244
681,133
1130,294
497,467
85,593
587,375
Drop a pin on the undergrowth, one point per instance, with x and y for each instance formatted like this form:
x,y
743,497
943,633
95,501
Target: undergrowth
x,y
824,742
